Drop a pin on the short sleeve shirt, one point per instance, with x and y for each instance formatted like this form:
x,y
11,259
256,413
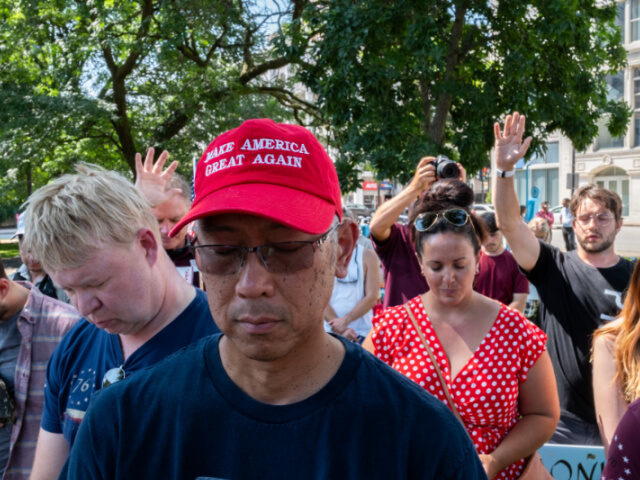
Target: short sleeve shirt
x,y
485,391
84,355
575,299
403,277
499,277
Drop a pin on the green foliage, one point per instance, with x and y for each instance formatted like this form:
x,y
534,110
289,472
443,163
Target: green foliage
x,y
398,80
100,80
9,250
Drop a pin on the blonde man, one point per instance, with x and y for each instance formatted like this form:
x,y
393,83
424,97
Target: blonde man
x,y
99,241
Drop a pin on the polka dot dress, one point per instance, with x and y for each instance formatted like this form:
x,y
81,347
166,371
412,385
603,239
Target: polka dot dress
x,y
485,391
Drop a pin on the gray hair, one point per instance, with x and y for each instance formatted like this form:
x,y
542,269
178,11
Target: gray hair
x,y
177,181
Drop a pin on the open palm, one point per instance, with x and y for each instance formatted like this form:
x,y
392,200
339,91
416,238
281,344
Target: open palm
x,y
151,179
509,147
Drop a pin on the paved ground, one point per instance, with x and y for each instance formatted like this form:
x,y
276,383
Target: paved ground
x,y
6,233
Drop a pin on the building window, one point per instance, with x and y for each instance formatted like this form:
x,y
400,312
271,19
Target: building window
x,y
620,19
636,107
546,179
634,20
615,179
550,156
616,92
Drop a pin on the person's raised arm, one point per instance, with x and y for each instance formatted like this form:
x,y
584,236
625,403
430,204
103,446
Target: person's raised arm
x,y
51,454
387,214
509,148
607,393
151,179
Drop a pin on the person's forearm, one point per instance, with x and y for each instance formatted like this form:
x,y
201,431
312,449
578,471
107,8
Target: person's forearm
x,y
362,307
524,439
329,313
519,301
387,214
506,204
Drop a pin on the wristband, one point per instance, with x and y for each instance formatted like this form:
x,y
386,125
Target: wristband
x,y
505,173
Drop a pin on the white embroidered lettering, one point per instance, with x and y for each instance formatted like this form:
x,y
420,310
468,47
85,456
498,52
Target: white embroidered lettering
x,y
233,161
219,150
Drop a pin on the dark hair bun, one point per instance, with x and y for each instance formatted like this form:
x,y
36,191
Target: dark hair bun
x,y
447,193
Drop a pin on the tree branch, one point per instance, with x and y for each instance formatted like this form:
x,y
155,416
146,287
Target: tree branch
x,y
443,104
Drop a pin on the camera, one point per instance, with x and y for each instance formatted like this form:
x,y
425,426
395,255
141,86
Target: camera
x,y
445,167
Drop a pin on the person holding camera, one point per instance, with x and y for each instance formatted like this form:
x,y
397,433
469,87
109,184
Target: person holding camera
x,y
403,278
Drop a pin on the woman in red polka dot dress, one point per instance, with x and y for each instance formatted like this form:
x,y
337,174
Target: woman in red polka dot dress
x,y
493,360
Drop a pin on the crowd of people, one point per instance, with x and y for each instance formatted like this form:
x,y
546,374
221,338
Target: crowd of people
x,y
237,335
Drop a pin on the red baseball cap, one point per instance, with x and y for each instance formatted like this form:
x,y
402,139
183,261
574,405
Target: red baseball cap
x,y
272,170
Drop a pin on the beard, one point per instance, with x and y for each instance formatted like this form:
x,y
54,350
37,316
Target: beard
x,y
597,247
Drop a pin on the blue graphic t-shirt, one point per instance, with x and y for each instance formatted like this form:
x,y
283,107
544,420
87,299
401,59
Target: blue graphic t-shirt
x,y
86,353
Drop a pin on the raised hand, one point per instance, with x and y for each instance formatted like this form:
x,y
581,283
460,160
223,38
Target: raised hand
x,y
509,147
425,175
152,180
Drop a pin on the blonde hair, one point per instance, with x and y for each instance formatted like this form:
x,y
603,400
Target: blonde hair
x,y
544,227
627,340
67,220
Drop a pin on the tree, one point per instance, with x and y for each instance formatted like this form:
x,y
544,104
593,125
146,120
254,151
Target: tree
x,y
100,80
401,79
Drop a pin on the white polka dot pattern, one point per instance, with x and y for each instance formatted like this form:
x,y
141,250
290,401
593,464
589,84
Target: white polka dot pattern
x,y
485,391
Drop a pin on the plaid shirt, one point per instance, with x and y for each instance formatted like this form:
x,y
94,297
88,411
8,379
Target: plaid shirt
x,y
42,324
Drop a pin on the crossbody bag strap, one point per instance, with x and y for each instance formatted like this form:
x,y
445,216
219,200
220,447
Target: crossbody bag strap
x,y
452,405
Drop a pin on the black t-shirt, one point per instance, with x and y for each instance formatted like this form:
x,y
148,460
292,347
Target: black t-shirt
x,y
186,419
575,299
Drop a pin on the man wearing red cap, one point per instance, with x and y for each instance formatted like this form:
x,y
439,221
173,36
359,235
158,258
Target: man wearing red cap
x,y
273,396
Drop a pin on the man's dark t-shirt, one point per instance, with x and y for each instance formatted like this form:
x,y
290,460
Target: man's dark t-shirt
x,y
403,277
367,422
575,299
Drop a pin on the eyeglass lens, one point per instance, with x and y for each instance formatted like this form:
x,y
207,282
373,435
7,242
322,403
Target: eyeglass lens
x,y
285,257
601,218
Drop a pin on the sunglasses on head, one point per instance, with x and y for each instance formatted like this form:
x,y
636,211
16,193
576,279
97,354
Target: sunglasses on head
x,y
455,216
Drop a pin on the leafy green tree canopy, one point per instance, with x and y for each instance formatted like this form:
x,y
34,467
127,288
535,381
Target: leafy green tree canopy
x,y
100,80
401,79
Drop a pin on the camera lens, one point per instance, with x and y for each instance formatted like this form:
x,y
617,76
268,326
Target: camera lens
x,y
447,169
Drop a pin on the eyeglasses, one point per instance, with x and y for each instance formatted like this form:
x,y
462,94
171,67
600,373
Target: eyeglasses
x,y
602,219
455,216
113,375
279,257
